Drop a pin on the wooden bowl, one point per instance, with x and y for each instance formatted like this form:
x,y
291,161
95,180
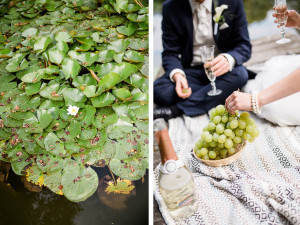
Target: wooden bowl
x,y
226,161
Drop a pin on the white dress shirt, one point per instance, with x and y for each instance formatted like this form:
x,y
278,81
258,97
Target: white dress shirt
x,y
203,34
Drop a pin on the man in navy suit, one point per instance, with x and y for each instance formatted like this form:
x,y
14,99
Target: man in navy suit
x,y
187,25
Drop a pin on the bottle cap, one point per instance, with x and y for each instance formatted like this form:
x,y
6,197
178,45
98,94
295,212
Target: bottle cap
x,y
171,166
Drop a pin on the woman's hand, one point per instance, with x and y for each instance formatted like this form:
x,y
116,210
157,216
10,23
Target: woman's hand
x,y
293,19
238,101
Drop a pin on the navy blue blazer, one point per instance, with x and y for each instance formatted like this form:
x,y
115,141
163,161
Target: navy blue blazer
x,y
177,27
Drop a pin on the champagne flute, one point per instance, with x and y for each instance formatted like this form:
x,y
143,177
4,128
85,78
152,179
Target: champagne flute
x,y
282,17
207,53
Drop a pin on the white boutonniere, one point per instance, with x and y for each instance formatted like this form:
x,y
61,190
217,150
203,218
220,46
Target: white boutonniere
x,y
219,18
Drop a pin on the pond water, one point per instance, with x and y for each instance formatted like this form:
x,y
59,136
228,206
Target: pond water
x,y
18,206
260,23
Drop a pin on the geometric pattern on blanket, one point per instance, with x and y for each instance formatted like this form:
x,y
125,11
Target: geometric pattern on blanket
x,y
261,187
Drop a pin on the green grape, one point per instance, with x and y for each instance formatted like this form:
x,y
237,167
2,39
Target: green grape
x,y
205,157
250,121
221,145
211,126
231,151
228,143
219,129
244,116
205,144
242,124
213,112
217,152
225,119
231,118
212,154
250,129
212,144
252,139
239,132
199,144
232,135
217,119
255,133
223,156
198,153
228,132
205,128
223,151
228,125
203,135
220,109
208,138
203,152
222,138
247,136
215,137
234,123
237,140
218,158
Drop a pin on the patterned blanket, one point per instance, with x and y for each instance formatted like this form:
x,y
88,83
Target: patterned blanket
x,y
261,187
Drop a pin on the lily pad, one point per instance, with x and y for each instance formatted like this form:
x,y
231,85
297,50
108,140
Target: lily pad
x,y
71,68
78,182
128,30
134,56
42,43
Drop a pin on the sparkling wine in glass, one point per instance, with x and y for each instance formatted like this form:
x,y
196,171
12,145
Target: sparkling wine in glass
x,y
282,17
207,53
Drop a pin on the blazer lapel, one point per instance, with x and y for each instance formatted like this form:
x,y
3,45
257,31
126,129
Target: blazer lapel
x,y
215,29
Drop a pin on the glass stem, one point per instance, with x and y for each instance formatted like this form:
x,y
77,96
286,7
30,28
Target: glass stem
x,y
282,33
213,84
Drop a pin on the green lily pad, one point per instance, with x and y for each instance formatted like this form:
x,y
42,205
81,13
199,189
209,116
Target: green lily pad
x,y
87,58
63,36
104,117
89,116
52,92
128,30
53,145
71,68
33,77
78,182
134,56
105,68
52,180
124,70
62,46
49,163
106,56
108,81
122,94
30,32
56,56
119,57
103,100
42,43
74,129
119,45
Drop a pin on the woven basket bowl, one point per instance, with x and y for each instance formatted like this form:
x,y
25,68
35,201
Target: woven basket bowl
x,y
223,162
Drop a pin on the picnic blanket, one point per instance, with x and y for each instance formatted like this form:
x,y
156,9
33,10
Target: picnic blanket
x,y
261,187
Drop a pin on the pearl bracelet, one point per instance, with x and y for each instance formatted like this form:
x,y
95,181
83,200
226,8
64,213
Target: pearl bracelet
x,y
254,103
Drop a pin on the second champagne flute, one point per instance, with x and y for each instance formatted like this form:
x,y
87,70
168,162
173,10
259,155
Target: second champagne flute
x,y
207,53
282,17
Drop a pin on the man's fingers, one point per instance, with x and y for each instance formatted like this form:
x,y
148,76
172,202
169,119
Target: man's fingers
x,y
222,70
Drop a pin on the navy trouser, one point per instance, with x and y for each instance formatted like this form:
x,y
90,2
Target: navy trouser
x,y
199,102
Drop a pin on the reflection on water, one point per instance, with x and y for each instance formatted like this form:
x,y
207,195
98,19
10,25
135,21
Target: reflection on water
x,y
19,206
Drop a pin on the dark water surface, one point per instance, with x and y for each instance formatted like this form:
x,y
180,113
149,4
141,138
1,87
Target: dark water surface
x,y
18,206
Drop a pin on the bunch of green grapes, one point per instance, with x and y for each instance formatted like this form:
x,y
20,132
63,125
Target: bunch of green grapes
x,y
224,133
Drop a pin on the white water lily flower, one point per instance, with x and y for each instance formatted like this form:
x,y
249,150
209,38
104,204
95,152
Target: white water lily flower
x,y
219,10
72,110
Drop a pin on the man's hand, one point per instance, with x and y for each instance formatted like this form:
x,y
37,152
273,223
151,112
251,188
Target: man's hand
x,y
182,87
220,65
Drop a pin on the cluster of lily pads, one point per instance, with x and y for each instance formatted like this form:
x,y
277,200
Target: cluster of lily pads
x,y
74,91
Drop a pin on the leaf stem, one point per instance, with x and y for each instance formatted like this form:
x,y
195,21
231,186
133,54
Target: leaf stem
x,y
112,175
94,75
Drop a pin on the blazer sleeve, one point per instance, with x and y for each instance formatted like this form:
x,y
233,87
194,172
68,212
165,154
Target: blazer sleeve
x,y
241,50
171,41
